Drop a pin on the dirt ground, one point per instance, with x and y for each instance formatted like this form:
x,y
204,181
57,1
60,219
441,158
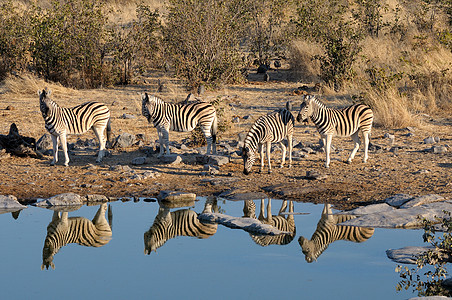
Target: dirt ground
x,y
405,166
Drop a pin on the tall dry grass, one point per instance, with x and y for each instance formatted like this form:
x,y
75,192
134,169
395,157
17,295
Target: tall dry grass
x,y
301,59
28,85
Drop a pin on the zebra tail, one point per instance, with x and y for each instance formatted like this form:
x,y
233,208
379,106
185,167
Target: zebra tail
x,y
214,130
109,131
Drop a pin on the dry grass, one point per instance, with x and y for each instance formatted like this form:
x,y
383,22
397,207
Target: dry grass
x,y
303,66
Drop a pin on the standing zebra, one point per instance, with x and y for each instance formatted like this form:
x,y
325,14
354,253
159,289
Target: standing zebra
x,y
183,222
60,121
344,122
268,129
63,230
328,232
279,222
177,117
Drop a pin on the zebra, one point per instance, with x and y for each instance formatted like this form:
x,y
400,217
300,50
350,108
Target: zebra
x,y
279,222
343,122
179,117
328,232
60,121
183,222
268,129
63,230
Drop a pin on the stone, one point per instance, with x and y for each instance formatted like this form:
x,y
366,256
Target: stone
x,y
398,200
96,198
439,149
217,160
9,203
369,209
124,140
140,160
221,181
425,199
315,175
66,199
45,142
402,218
238,194
171,159
173,199
429,140
121,168
406,255
127,116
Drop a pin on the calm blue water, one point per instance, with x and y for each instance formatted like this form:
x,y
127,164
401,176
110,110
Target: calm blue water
x,y
228,265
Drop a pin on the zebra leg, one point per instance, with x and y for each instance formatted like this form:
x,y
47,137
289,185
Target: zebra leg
x,y
290,144
355,138
269,148
261,211
208,136
160,134
283,159
269,212
366,145
55,149
328,139
165,137
64,147
283,207
261,151
99,132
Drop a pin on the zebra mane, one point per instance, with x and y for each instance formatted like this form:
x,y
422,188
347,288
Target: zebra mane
x,y
315,100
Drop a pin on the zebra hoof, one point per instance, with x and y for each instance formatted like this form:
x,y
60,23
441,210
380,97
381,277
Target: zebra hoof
x,y
269,171
348,162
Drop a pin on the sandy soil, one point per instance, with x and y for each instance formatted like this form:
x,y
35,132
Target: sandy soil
x,y
409,169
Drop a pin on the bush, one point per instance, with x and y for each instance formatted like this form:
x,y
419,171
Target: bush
x,y
202,38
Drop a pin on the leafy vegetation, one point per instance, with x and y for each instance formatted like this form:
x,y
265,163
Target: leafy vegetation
x,y
430,284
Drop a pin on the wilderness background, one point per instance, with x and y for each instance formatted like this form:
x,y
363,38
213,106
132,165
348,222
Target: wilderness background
x,y
392,55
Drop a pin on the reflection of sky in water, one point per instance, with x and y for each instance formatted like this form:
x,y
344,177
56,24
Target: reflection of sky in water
x,y
228,265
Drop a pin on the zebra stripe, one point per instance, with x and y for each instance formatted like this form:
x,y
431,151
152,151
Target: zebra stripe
x,y
178,117
63,230
341,122
328,232
60,121
184,222
279,222
268,129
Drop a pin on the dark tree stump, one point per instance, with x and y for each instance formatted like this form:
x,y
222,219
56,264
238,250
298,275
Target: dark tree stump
x,y
18,145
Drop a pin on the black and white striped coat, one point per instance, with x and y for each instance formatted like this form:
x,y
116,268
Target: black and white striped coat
x,y
268,129
63,230
328,232
341,122
279,222
178,117
183,222
60,121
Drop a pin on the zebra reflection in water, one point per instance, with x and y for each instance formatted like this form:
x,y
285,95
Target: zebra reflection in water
x,y
183,222
63,230
328,232
278,221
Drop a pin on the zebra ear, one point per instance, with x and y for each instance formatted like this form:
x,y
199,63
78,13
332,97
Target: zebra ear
x,y
47,91
288,105
144,97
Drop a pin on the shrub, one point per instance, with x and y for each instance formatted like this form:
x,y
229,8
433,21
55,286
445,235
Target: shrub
x,y
202,39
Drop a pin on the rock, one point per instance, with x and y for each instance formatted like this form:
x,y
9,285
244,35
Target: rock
x,y
66,199
127,116
429,140
398,200
241,136
173,199
402,218
221,180
9,107
369,209
315,175
212,170
217,160
389,136
45,142
236,120
9,203
308,150
124,140
425,199
96,198
406,255
121,168
238,194
438,149
140,160
171,159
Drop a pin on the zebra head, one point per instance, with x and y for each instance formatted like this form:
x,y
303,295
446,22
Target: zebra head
x,y
47,255
145,106
308,249
305,109
157,235
249,157
44,101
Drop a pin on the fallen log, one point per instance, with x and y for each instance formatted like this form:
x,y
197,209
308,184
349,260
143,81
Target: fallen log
x,y
18,145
